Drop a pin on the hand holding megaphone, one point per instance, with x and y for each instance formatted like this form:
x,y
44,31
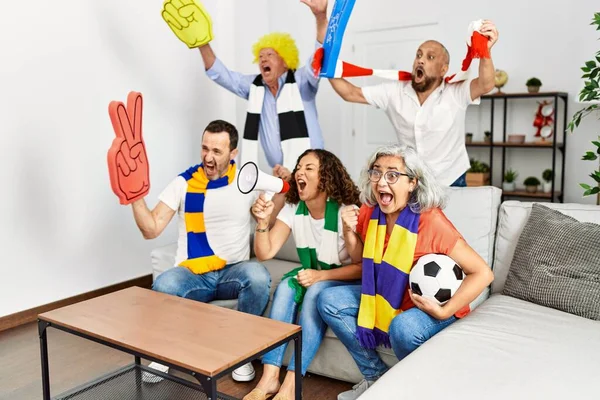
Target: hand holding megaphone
x,y
250,178
262,209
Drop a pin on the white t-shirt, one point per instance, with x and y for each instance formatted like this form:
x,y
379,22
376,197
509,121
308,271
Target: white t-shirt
x,y
227,219
286,215
435,129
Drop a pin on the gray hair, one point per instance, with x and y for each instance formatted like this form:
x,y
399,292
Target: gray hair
x,y
428,192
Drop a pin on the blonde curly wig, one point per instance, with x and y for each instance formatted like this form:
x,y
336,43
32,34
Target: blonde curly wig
x,y
283,44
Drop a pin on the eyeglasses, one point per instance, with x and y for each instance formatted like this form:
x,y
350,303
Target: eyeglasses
x,y
390,177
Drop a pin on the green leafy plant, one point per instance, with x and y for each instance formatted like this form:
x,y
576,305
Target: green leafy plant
x,y
590,92
547,175
510,175
533,82
478,166
531,181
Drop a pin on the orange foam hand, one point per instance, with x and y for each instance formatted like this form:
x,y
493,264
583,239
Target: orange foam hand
x,y
127,162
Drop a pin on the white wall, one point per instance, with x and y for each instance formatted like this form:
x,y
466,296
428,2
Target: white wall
x,y
537,38
62,230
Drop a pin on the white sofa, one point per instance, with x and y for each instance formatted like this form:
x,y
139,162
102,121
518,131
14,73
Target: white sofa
x,y
505,349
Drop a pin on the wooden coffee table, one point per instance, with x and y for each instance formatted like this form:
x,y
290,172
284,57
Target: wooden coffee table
x,y
199,339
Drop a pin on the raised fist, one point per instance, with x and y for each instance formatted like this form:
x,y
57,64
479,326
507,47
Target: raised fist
x,y
349,216
127,161
189,21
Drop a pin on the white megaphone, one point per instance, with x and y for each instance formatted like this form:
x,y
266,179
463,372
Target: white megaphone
x,y
251,178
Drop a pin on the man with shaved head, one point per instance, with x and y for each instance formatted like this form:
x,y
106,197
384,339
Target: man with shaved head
x,y
427,113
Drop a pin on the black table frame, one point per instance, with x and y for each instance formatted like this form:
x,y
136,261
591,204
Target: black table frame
x,y
207,384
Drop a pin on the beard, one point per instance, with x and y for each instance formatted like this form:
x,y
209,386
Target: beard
x,y
426,84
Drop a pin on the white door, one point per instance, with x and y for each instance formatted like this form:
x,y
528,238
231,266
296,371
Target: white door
x,y
389,48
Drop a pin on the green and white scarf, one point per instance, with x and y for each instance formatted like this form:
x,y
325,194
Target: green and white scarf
x,y
307,246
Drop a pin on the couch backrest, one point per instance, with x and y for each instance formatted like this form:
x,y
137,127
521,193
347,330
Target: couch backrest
x,y
512,219
472,210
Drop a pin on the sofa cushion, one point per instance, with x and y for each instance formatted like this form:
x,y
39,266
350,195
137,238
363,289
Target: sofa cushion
x,y
557,263
506,349
511,221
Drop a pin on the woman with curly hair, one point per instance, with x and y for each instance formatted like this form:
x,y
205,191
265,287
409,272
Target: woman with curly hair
x,y
319,188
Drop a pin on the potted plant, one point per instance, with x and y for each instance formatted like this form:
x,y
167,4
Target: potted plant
x,y
533,85
590,94
478,174
509,180
547,176
531,184
469,137
487,136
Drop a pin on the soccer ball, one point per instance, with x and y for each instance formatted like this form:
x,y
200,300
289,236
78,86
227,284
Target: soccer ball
x,y
437,277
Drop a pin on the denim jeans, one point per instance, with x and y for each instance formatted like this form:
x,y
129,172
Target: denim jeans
x,y
285,309
247,281
408,330
461,181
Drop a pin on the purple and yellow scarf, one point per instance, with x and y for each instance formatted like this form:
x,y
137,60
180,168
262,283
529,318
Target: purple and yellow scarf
x,y
385,275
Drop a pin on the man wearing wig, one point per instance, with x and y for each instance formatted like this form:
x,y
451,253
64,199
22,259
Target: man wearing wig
x,y
282,112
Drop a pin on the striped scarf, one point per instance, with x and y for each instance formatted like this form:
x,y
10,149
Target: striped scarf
x,y
293,130
385,275
306,244
201,258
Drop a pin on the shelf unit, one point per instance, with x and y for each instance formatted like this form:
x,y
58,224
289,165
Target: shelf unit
x,y
553,145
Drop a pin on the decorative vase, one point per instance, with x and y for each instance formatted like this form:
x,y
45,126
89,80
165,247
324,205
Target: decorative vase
x,y
547,187
531,188
508,186
533,89
469,138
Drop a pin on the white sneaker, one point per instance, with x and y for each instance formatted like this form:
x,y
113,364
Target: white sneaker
x,y
244,373
356,390
151,378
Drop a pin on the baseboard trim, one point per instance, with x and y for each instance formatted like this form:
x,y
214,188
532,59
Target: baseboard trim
x,y
27,316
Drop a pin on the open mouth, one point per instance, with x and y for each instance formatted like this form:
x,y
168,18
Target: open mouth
x,y
301,184
386,198
266,68
419,72
210,168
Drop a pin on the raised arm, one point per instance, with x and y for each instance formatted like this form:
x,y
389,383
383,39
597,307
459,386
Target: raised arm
x,y
348,91
208,56
319,9
485,82
151,223
235,82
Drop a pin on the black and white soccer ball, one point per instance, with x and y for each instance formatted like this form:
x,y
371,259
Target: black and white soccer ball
x,y
437,277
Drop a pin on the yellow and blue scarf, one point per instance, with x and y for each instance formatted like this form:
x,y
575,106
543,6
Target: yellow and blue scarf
x,y
385,275
201,258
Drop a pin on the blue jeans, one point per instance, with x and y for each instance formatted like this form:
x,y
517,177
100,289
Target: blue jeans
x,y
408,330
247,281
285,309
461,181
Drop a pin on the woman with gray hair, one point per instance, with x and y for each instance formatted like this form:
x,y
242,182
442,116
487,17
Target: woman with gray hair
x,y
401,219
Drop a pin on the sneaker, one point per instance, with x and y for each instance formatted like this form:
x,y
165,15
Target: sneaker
x,y
244,373
357,390
151,378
